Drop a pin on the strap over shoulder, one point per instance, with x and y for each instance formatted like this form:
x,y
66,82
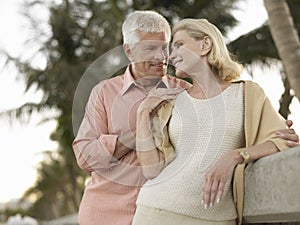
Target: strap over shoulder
x,y
238,191
160,133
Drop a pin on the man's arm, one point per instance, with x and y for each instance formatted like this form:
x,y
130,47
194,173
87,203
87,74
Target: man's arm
x,y
125,144
93,146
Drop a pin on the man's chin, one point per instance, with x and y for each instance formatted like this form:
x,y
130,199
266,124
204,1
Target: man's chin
x,y
159,72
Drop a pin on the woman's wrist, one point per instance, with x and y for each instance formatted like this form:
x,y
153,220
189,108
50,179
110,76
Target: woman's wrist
x,y
238,158
244,154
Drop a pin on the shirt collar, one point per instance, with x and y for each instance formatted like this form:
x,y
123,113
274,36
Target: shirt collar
x,y
129,81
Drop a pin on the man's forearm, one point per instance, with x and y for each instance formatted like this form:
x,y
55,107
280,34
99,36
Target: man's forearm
x,y
121,150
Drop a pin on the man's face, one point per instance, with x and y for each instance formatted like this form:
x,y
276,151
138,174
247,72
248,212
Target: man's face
x,y
149,56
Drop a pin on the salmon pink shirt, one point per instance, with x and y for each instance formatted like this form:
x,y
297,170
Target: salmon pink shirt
x,y
110,195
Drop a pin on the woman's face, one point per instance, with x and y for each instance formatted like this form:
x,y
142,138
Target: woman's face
x,y
187,54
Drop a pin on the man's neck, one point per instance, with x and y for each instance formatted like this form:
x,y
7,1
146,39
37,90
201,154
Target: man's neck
x,y
146,82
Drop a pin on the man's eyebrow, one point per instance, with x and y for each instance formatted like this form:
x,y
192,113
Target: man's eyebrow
x,y
147,45
152,43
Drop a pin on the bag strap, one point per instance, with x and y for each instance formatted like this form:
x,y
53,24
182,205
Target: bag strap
x,y
238,191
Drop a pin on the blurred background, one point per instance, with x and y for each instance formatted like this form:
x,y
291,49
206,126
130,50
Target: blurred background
x,y
45,48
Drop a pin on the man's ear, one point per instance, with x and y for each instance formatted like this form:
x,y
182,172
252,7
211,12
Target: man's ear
x,y
206,45
128,52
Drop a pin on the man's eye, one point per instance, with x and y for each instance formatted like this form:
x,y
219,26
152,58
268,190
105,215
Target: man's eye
x,y
150,48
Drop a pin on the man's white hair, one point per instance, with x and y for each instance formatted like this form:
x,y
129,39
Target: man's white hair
x,y
145,21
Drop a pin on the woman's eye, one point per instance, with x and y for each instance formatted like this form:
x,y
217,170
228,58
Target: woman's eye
x,y
177,45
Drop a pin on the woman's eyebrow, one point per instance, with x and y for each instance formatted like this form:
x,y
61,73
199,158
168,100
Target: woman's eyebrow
x,y
176,42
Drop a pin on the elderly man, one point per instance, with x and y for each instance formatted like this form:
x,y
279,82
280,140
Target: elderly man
x,y
105,143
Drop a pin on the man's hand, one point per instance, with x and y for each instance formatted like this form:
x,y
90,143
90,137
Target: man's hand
x,y
289,135
125,144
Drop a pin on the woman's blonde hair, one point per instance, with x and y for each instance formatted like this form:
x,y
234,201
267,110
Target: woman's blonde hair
x,y
219,57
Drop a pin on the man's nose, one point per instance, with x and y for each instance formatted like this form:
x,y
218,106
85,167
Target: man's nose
x,y
161,54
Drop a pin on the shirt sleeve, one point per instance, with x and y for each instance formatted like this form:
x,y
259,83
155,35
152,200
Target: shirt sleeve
x,y
94,146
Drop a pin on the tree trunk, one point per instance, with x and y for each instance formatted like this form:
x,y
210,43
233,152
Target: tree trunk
x,y
286,39
286,99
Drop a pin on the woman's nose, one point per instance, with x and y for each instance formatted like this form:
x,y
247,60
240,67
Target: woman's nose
x,y
172,56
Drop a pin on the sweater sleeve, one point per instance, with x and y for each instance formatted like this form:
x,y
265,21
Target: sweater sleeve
x,y
261,119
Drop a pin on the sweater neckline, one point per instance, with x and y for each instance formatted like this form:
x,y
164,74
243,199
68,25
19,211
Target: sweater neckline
x,y
209,99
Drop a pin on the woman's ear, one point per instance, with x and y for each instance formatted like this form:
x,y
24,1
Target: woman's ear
x,y
128,52
206,45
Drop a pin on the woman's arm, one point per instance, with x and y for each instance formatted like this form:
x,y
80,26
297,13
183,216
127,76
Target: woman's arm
x,y
265,127
217,176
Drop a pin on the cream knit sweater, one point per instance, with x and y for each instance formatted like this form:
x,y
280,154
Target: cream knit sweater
x,y
201,131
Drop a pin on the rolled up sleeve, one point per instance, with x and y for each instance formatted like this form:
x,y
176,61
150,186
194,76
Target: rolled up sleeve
x,y
94,146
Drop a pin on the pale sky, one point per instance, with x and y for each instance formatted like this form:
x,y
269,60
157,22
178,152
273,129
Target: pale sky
x,y
23,142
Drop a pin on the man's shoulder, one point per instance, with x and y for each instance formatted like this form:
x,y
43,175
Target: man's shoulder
x,y
111,80
117,78
108,85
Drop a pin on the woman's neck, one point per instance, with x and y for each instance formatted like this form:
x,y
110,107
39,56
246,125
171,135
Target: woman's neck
x,y
207,86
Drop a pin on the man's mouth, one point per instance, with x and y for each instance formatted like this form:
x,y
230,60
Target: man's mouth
x,y
158,64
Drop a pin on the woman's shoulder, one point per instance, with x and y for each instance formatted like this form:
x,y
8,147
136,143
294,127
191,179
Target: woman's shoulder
x,y
251,86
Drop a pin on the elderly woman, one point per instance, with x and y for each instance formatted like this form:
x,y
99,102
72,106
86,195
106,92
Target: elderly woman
x,y
215,125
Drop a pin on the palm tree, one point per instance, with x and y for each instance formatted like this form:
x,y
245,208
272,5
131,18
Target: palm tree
x,y
258,47
286,39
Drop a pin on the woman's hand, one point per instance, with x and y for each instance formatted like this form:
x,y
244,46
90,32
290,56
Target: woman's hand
x,y
217,176
157,97
149,157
